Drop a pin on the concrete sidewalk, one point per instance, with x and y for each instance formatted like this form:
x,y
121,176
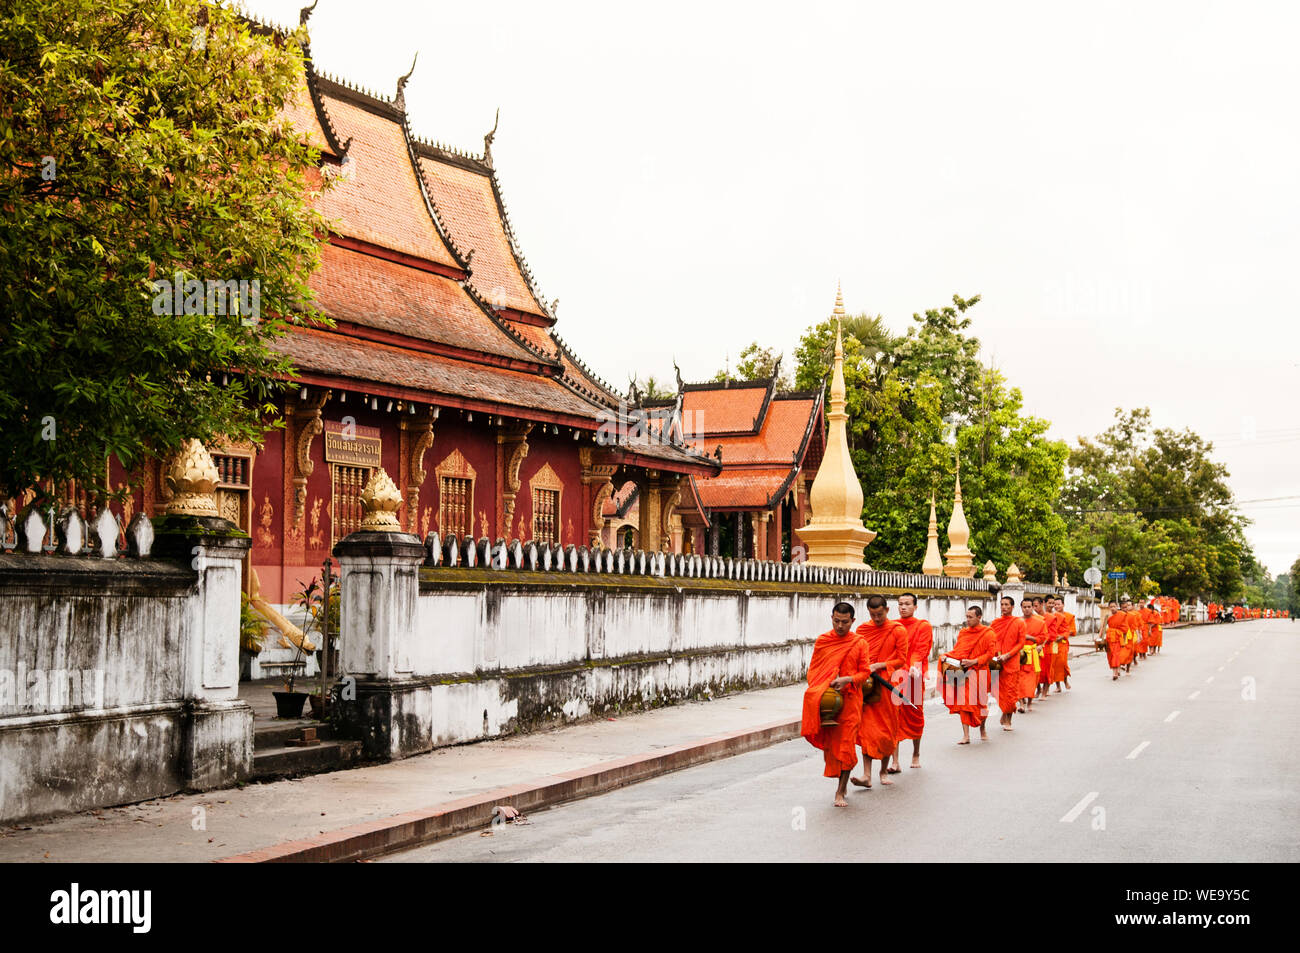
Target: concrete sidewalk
x,y
348,814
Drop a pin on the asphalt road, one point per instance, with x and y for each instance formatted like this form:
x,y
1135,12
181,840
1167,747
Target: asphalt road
x,y
1194,757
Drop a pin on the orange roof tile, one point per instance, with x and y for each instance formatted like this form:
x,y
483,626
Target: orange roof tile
x,y
744,489
369,291
467,202
338,355
782,434
724,409
379,199
755,467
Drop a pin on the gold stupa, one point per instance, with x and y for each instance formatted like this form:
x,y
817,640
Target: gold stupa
x,y
835,536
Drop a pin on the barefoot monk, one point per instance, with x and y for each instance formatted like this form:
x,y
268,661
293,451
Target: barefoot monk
x,y
839,661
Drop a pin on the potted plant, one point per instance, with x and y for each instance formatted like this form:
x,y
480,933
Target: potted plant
x,y
325,615
252,635
288,703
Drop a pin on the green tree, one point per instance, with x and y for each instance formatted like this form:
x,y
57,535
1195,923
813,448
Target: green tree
x,y
756,363
138,139
1157,504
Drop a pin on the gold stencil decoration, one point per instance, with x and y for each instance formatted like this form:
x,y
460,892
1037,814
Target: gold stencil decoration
x,y
192,479
379,503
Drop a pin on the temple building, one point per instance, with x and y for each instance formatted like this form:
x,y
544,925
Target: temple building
x,y
443,367
769,444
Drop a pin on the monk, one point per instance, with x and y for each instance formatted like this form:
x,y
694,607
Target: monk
x,y
1116,632
1143,627
920,642
966,689
1065,627
1009,639
1152,618
839,661
1131,620
878,730
1047,609
1032,662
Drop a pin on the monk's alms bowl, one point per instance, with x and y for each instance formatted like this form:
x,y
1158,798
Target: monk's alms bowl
x,y
831,704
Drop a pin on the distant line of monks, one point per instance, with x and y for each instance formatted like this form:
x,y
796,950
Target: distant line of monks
x,y
1133,634
1242,612
866,687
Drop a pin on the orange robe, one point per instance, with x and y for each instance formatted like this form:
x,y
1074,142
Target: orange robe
x,y
1035,636
878,729
967,694
920,642
1142,628
1153,627
834,656
1009,636
1065,628
1052,623
1116,632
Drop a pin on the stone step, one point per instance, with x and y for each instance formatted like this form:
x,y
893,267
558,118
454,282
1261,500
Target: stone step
x,y
285,762
277,733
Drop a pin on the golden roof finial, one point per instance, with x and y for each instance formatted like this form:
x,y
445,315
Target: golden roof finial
x,y
839,301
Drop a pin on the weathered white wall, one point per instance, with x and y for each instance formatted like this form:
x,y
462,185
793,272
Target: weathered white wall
x,y
145,655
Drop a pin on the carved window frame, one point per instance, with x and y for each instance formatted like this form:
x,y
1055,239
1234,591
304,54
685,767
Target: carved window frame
x,y
546,479
455,466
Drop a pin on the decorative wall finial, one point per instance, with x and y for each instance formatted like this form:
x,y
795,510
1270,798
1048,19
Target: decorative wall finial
x,y
192,478
379,502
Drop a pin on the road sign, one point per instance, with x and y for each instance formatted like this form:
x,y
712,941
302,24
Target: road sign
x,y
1116,575
1092,575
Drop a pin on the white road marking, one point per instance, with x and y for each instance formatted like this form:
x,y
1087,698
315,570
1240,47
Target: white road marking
x,y
1210,679
1220,668
1078,808
1136,751
1193,695
1172,715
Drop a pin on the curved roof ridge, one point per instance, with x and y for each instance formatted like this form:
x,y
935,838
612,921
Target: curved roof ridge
x,y
449,151
513,241
461,258
583,366
318,104
360,92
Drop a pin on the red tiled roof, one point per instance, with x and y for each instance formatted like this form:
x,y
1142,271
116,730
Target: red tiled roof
x,y
328,354
379,199
341,356
755,467
749,488
468,205
369,291
782,434
724,409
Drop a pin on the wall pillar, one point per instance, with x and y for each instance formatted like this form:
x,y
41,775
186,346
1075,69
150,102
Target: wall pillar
x,y
392,712
217,728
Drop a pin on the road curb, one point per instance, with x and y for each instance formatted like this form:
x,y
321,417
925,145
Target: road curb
x,y
425,825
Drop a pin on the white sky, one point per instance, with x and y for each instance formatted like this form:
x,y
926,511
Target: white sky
x,y
1119,181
